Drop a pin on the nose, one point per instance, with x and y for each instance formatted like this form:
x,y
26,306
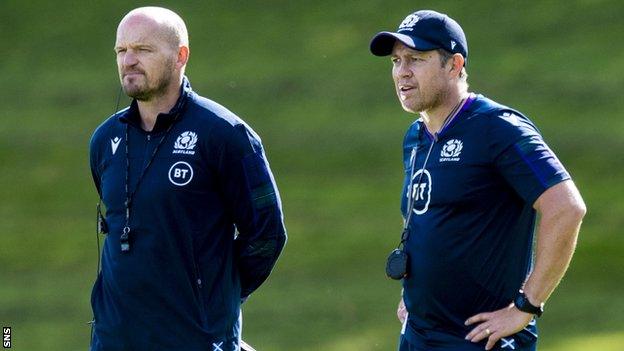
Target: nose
x,y
129,59
403,69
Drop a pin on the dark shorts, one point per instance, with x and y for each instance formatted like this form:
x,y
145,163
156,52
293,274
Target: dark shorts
x,y
405,345
505,344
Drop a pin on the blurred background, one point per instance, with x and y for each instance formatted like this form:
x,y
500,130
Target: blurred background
x,y
300,73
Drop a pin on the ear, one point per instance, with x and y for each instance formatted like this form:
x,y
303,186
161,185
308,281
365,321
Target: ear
x,y
457,63
183,56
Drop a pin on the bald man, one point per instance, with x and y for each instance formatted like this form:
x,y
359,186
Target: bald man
x,y
193,214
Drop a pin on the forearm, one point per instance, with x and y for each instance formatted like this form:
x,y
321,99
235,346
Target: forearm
x,y
251,197
557,234
256,259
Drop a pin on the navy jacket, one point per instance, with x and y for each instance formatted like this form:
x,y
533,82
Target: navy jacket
x,y
206,227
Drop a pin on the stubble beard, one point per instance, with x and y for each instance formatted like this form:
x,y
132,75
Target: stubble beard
x,y
421,102
142,91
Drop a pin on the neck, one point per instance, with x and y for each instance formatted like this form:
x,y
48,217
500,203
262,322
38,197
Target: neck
x,y
435,117
150,109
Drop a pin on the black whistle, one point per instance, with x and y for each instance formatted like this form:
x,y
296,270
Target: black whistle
x,y
396,265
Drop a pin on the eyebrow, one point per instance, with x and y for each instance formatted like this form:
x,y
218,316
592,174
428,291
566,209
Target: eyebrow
x,y
134,46
411,53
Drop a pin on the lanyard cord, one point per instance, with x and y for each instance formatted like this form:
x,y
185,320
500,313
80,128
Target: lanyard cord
x,y
410,191
410,188
410,199
125,235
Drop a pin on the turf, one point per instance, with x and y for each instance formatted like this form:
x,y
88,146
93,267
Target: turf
x,y
301,75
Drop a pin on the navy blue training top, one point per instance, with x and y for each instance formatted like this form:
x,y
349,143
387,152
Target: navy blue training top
x,y
180,285
471,231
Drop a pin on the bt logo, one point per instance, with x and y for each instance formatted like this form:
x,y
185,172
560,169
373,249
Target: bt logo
x,y
180,173
420,191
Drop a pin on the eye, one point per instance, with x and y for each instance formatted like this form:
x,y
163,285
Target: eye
x,y
416,58
120,50
395,60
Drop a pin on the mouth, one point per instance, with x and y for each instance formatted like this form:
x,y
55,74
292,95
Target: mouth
x,y
405,90
132,74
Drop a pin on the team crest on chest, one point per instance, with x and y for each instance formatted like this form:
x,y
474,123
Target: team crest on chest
x,y
451,150
185,143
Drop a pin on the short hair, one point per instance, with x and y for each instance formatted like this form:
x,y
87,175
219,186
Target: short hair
x,y
175,31
445,56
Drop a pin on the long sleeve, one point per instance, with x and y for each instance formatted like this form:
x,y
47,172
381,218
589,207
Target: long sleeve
x,y
251,195
93,162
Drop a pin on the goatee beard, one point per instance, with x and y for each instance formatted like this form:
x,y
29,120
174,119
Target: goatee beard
x,y
149,94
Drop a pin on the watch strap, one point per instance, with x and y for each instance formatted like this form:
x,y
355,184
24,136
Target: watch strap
x,y
523,304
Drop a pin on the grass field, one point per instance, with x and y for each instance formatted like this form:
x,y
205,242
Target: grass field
x,y
301,75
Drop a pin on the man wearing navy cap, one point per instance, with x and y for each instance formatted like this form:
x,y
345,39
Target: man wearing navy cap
x,y
476,174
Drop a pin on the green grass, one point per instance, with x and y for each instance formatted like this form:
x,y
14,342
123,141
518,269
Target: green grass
x,y
301,75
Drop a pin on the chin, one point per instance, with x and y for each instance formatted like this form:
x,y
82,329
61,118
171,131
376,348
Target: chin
x,y
136,93
408,108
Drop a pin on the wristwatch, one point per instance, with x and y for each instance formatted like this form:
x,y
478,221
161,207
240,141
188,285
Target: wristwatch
x,y
523,304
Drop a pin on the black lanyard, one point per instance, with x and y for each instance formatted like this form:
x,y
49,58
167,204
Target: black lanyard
x,y
124,239
410,188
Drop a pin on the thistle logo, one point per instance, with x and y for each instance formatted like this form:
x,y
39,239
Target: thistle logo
x,y
409,22
421,191
451,150
185,143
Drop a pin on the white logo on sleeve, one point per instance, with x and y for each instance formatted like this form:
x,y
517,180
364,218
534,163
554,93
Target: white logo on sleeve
x,y
185,143
451,150
512,118
115,144
216,346
181,173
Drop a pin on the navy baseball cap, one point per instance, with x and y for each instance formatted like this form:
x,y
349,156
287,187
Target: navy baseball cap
x,y
423,30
